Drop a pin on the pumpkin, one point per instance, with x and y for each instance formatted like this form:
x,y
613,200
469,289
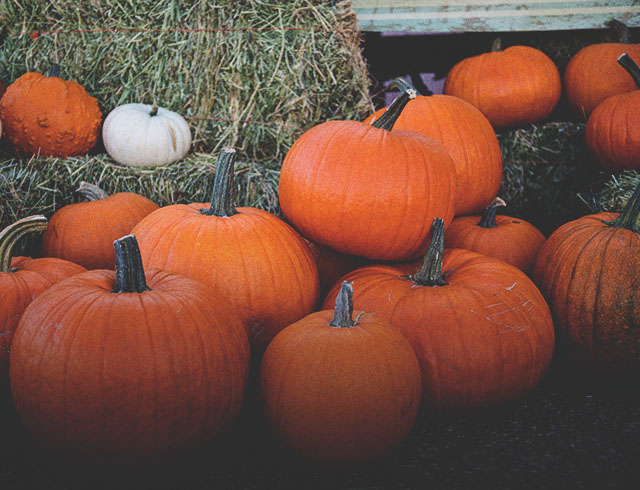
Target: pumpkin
x,y
128,365
256,259
49,115
339,390
366,190
467,136
480,328
612,133
84,232
512,87
513,240
588,271
22,279
143,135
592,74
332,265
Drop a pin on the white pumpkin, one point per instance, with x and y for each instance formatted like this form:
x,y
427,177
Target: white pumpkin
x,y
143,135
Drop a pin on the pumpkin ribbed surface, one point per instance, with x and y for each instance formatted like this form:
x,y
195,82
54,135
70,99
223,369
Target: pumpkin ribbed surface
x,y
593,75
254,258
513,87
467,136
84,232
123,376
482,339
366,191
588,271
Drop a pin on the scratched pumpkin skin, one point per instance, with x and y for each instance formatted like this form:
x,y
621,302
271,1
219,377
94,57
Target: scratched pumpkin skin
x,y
483,338
143,135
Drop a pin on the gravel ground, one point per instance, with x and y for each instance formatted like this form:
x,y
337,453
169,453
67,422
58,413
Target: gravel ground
x,y
569,433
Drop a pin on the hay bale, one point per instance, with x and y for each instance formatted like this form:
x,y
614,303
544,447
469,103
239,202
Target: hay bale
x,y
43,185
618,190
251,74
548,176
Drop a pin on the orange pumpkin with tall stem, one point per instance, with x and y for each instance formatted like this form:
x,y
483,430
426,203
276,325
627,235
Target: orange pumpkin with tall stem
x,y
480,328
367,190
253,257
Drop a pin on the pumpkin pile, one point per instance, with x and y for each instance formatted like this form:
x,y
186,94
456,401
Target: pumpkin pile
x,y
391,286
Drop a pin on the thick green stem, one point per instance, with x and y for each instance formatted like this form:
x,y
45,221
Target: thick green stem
x,y
129,271
622,30
497,45
91,192
14,232
403,85
488,219
388,119
154,110
343,312
632,68
430,272
223,186
630,216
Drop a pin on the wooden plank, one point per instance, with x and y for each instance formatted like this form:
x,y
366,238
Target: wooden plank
x,y
487,16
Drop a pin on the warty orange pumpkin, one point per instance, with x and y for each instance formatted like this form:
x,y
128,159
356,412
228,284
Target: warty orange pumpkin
x,y
50,116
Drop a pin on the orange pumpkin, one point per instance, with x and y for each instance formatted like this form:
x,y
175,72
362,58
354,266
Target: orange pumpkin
x,y
49,115
612,133
253,257
513,240
366,190
338,390
22,279
512,87
480,328
467,136
588,271
592,74
84,232
126,365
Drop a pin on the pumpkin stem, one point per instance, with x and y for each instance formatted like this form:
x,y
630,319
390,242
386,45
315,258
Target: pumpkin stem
x,y
497,45
54,71
129,271
154,110
223,186
430,272
632,68
14,232
343,312
630,216
488,219
622,30
403,85
388,119
91,192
